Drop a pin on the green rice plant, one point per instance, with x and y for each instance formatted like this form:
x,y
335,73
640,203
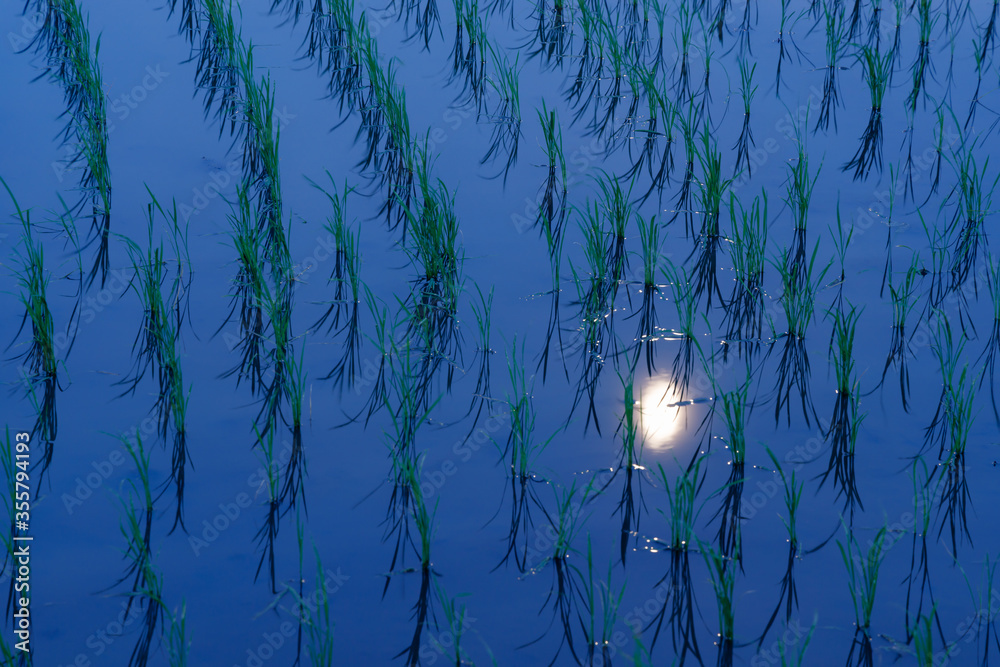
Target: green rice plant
x,y
469,59
629,425
434,231
64,39
615,206
845,421
600,595
650,238
39,365
961,395
681,502
798,296
522,444
943,429
878,70
276,304
409,471
712,188
974,194
552,208
146,582
423,16
798,301
723,577
216,70
836,35
922,65
991,352
796,659
686,305
346,272
317,619
454,629
656,157
923,639
862,572
568,519
682,43
734,413
787,49
747,92
505,116
249,287
176,640
899,348
792,498
748,236
799,187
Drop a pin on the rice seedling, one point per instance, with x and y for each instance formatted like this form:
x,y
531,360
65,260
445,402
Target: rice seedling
x,y
723,577
612,68
522,444
506,113
600,595
836,35
974,196
422,15
456,623
178,644
947,353
862,572
787,48
469,60
271,483
681,498
712,187
745,141
711,191
249,286
734,409
689,349
647,330
788,596
278,357
922,66
845,421
682,43
899,347
64,38
588,21
656,155
991,351
923,639
552,207
317,619
688,124
878,69
744,317
550,36
422,516
799,187
39,365
434,233
798,301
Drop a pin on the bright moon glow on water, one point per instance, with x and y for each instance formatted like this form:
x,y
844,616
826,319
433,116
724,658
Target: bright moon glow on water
x,y
660,416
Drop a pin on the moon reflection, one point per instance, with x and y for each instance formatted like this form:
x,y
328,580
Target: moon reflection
x,y
658,408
